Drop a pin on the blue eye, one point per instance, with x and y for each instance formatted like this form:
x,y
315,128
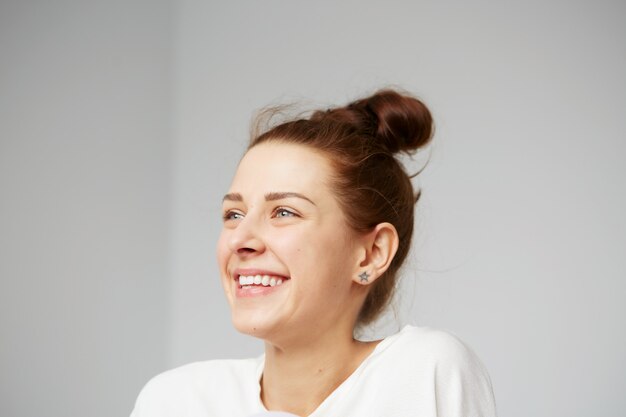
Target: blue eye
x,y
281,212
233,215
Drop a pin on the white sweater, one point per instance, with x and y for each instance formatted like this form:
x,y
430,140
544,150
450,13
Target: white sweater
x,y
417,372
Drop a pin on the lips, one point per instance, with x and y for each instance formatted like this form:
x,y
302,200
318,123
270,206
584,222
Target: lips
x,y
257,282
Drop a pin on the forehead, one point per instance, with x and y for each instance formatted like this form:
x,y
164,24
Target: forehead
x,y
277,166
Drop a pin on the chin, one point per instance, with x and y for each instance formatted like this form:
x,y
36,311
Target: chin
x,y
251,325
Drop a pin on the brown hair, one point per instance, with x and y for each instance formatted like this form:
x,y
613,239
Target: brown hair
x,y
371,185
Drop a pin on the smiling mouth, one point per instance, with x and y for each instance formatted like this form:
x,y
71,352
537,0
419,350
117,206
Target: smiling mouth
x,y
258,280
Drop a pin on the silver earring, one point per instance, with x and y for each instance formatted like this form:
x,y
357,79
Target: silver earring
x,y
364,276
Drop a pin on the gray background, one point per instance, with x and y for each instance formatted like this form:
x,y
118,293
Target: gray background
x,y
121,124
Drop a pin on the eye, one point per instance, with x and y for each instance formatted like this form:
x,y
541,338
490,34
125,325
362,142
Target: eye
x,y
232,215
283,212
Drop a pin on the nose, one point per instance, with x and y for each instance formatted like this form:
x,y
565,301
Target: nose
x,y
245,239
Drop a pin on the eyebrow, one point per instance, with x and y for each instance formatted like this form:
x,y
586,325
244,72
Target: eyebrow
x,y
269,196
283,195
232,197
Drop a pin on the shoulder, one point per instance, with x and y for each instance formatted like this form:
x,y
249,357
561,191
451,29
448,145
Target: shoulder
x,y
200,372
436,346
169,390
458,378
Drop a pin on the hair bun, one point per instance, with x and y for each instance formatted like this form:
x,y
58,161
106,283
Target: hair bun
x,y
400,122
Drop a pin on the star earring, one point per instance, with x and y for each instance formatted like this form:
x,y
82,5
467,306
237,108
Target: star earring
x,y
364,276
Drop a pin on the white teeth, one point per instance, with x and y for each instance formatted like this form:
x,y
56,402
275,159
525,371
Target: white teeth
x,y
265,280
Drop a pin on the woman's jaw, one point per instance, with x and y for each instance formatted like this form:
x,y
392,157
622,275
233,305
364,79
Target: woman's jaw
x,y
274,315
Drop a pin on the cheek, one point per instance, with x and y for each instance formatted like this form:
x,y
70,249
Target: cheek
x,y
320,262
288,249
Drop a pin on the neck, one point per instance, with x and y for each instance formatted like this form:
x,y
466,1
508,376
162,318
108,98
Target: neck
x,y
297,378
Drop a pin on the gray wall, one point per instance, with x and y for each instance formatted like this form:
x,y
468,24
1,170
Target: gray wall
x,y
122,123
84,204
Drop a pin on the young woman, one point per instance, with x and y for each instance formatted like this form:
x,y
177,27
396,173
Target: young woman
x,y
317,222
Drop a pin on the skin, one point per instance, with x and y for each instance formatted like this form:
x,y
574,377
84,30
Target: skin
x,y
308,323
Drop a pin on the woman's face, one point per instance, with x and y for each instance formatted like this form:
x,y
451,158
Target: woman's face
x,y
282,222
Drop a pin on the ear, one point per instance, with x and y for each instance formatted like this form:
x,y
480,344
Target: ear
x,y
380,246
